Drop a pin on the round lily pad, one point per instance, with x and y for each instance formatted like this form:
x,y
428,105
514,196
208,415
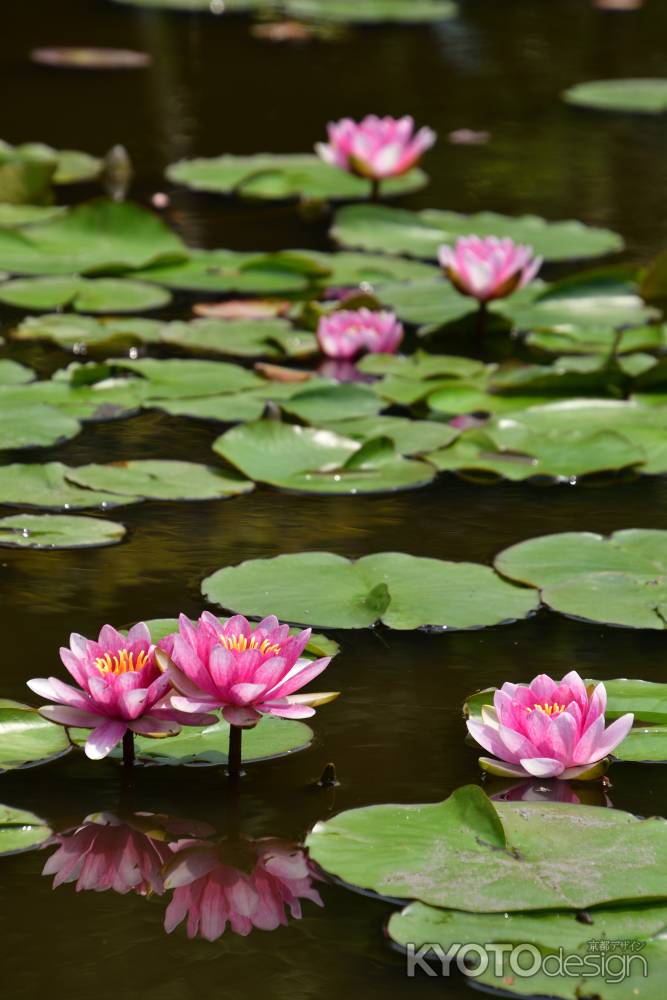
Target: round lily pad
x,y
372,11
27,739
175,379
21,830
84,333
512,855
313,460
230,271
266,338
46,485
13,373
34,426
273,176
617,580
402,591
641,96
84,295
159,479
410,437
54,531
420,234
14,216
208,745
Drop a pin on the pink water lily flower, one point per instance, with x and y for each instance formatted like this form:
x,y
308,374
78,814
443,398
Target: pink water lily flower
x,y
548,729
107,853
487,268
375,147
213,894
247,672
121,688
344,334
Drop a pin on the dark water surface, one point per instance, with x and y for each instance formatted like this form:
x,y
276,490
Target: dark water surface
x,y
396,734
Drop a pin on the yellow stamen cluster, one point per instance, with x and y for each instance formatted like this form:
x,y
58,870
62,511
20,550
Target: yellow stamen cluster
x,y
123,662
547,709
241,642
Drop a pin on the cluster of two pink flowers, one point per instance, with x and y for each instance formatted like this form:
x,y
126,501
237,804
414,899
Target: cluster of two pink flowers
x,y
126,683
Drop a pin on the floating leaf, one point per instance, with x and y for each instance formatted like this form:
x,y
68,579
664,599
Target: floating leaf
x,y
265,338
410,437
420,234
34,426
12,373
172,379
644,96
21,830
229,271
26,739
83,295
600,340
372,11
432,301
99,236
208,745
404,591
14,216
47,486
273,176
54,531
618,580
312,460
81,333
320,404
155,479
516,856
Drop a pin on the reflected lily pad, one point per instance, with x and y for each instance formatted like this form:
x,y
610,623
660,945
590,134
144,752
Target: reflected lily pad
x,y
266,338
274,176
313,460
98,236
640,96
420,234
84,295
515,855
21,830
208,745
27,739
616,580
54,531
402,591
156,479
46,485
33,425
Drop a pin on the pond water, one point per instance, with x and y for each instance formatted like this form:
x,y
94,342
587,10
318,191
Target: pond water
x,y
396,734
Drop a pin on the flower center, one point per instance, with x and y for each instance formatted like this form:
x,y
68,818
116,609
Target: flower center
x,y
123,662
241,642
547,709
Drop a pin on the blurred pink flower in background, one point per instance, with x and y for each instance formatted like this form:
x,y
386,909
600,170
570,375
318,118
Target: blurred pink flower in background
x,y
345,334
548,729
213,894
121,688
487,268
247,672
376,148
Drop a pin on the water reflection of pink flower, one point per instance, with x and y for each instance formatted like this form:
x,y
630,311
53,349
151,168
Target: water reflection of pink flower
x,y
553,791
107,853
212,894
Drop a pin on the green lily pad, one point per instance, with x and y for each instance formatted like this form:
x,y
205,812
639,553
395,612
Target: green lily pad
x,y
410,437
420,234
13,373
232,408
83,295
600,340
229,271
320,404
21,830
34,426
372,11
642,96
637,929
46,485
432,301
618,580
209,6
515,855
402,591
273,176
208,745
156,479
564,457
175,379
15,216
99,236
70,393
54,531
421,365
26,739
267,338
313,460
83,333
348,269
318,645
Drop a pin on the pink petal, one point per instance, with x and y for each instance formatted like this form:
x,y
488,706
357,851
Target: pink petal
x,y
104,738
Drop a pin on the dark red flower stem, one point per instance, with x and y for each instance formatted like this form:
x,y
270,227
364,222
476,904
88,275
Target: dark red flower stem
x,y
375,190
128,748
234,769
482,314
